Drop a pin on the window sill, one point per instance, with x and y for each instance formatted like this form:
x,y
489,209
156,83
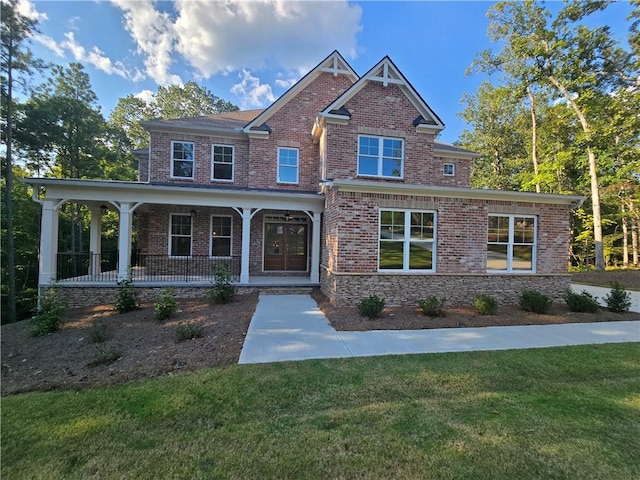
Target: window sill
x,y
220,180
378,177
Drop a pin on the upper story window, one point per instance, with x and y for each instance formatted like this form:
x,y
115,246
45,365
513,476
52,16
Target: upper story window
x,y
222,157
288,165
449,169
182,158
381,157
406,240
511,243
180,235
221,236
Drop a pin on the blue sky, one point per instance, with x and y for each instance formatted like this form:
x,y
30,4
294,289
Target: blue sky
x,y
251,52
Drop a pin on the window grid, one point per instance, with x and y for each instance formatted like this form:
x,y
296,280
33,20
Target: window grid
x,y
221,236
511,243
222,158
288,163
182,159
380,157
180,238
406,240
449,169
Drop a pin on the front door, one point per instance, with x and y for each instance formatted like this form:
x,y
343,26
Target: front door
x,y
285,246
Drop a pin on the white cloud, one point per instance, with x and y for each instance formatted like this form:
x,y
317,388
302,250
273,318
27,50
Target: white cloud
x,y
94,57
28,9
49,43
218,37
147,96
286,83
251,92
153,32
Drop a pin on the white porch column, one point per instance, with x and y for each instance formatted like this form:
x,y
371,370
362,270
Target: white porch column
x,y
124,241
95,241
315,249
48,242
246,245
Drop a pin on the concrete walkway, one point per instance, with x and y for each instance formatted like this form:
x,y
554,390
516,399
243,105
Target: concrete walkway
x,y
292,327
600,293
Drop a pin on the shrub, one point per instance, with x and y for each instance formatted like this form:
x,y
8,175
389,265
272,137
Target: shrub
x,y
371,306
127,297
187,332
618,300
166,306
50,315
105,356
98,333
432,306
223,290
534,301
581,302
485,304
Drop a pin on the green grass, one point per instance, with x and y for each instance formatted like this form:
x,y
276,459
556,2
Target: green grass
x,y
557,413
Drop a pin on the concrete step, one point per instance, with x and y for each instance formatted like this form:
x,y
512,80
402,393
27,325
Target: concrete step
x,y
283,290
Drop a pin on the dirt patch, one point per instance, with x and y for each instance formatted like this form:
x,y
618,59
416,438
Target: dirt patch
x,y
143,346
411,318
630,279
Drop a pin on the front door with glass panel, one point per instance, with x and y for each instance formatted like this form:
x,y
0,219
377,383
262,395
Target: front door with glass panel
x,y
285,247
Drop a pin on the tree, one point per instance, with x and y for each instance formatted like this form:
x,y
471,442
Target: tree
x,y
16,60
579,62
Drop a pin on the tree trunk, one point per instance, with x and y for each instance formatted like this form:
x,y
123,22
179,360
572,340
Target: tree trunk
x,y
635,227
8,190
625,236
534,137
593,174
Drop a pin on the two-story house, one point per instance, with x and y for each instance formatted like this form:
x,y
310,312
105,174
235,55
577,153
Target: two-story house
x,y
339,183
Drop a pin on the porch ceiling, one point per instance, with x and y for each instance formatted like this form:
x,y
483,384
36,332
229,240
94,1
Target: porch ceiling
x,y
204,195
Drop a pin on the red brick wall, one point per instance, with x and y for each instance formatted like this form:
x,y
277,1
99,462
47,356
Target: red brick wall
x,y
161,158
291,127
143,167
386,111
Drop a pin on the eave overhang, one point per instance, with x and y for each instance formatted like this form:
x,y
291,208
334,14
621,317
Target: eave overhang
x,y
190,130
145,193
367,186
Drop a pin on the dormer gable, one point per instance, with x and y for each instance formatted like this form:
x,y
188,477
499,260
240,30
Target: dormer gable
x,y
334,64
386,73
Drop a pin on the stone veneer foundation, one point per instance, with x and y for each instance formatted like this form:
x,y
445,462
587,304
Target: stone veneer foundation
x,y
405,289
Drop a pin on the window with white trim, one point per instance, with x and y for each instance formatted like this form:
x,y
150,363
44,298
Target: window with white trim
x,y
407,240
222,160
380,157
449,169
182,159
511,243
288,160
221,235
180,235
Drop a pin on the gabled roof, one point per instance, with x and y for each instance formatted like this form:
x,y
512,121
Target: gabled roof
x,y
224,121
447,148
334,64
386,72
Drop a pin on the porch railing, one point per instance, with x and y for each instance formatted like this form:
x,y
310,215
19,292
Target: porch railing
x,y
93,267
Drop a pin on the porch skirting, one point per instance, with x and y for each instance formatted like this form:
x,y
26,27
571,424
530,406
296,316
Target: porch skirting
x,y
347,289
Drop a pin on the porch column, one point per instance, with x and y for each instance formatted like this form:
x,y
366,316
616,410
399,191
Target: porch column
x,y
48,242
315,249
124,241
246,245
95,243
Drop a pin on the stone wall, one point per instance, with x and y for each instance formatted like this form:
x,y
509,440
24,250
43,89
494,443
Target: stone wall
x,y
406,289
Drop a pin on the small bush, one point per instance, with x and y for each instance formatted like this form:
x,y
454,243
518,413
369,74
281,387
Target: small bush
x,y
485,304
188,332
223,290
166,306
105,356
618,300
534,301
432,306
581,302
127,297
371,306
98,333
50,315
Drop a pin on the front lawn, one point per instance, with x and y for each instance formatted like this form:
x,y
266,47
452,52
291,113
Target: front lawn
x,y
570,412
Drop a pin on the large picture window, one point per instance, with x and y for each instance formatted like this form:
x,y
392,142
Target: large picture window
x,y
180,235
511,243
380,157
182,158
222,162
288,165
407,239
221,232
